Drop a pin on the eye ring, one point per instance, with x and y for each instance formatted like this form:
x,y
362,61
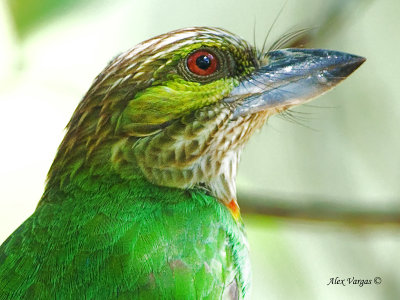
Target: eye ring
x,y
202,63
222,61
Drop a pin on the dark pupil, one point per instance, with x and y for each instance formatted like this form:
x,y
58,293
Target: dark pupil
x,y
203,62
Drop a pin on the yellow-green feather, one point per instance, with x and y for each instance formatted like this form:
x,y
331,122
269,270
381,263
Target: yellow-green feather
x,y
171,100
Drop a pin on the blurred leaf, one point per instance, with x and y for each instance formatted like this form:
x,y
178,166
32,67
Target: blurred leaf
x,y
333,19
28,14
338,15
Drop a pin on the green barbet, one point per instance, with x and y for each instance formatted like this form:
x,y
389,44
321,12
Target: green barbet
x,y
140,201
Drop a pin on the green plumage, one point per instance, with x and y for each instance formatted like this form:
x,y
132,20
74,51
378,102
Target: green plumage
x,y
140,201
109,238
124,213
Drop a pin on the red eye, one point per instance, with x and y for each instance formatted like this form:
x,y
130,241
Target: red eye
x,y
202,63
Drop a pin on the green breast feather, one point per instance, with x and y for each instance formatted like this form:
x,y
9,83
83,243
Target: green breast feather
x,y
108,238
140,201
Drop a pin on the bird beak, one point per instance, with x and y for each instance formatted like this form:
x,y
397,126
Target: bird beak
x,y
291,77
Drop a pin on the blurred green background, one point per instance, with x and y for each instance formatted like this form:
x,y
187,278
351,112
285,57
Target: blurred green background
x,y
320,199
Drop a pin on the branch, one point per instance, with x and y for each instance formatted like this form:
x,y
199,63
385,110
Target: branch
x,y
313,209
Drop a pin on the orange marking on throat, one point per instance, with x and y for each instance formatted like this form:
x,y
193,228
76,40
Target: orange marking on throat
x,y
234,209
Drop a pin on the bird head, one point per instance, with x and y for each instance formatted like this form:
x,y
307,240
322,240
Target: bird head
x,y
178,108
